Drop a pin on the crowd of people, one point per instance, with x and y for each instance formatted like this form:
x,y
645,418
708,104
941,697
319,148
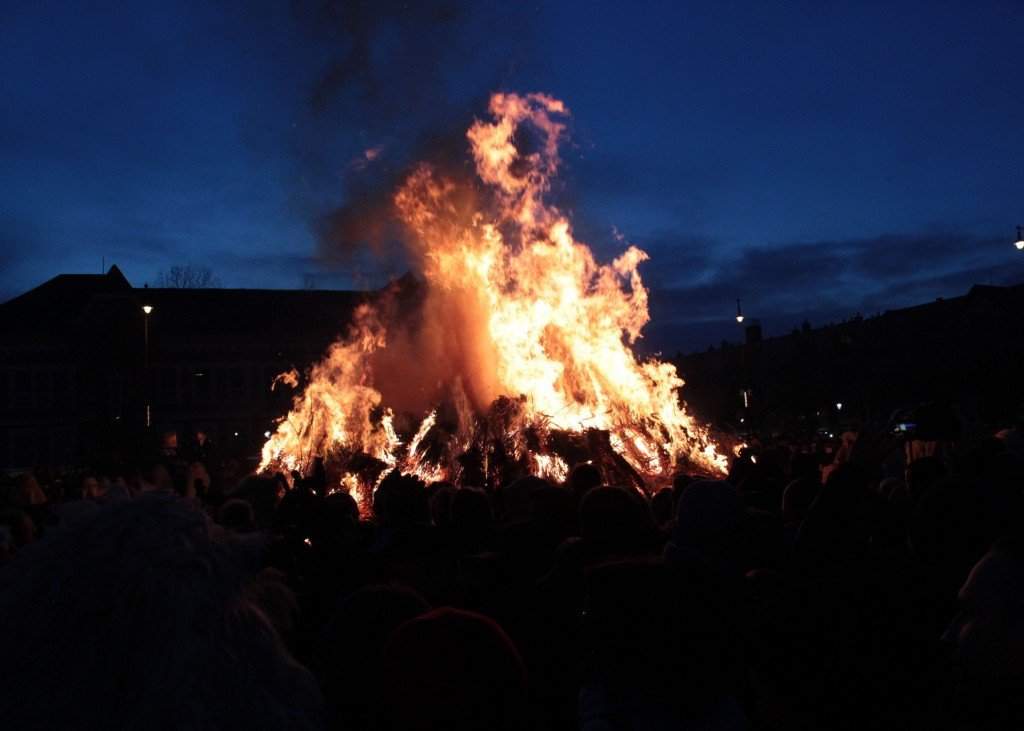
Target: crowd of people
x,y
884,589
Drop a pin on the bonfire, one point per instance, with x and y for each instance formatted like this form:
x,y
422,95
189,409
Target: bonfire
x,y
517,355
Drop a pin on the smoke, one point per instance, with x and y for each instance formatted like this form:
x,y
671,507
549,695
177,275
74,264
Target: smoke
x,y
363,227
389,53
400,82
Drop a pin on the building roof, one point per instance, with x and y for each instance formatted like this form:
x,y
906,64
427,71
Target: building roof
x,y
54,302
106,306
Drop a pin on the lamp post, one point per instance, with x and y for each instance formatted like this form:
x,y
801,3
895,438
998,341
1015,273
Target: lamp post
x,y
1019,243
146,310
744,373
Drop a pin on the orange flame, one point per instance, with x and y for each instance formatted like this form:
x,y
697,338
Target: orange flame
x,y
554,327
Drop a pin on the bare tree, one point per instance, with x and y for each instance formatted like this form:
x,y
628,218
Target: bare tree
x,y
189,276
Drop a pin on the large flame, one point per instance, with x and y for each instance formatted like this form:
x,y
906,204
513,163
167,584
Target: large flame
x,y
543,331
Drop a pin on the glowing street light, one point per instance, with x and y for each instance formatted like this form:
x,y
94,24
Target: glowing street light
x,y
739,312
839,405
146,310
1019,243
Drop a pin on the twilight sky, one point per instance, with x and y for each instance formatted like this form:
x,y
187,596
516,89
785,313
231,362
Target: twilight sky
x,y
816,159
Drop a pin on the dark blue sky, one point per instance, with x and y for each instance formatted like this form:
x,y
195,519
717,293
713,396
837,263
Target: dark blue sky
x,y
815,159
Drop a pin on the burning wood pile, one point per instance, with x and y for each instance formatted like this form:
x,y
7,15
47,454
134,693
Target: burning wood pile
x,y
520,361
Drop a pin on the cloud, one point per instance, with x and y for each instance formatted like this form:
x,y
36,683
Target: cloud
x,y
913,290
893,257
825,281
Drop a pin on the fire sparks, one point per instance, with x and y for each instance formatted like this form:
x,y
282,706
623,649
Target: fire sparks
x,y
548,374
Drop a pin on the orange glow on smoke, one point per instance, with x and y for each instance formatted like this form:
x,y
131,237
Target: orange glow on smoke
x,y
550,328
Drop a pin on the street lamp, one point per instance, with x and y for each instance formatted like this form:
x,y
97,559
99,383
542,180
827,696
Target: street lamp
x,y
1019,243
146,310
739,312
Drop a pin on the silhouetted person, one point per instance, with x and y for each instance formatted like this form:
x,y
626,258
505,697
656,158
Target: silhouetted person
x,y
335,525
20,530
797,499
1002,496
660,650
441,496
454,670
351,646
661,507
237,515
142,617
515,501
154,476
27,492
922,474
805,465
762,487
583,478
400,502
268,507
406,548
679,483
472,521
836,535
988,638
709,521
29,497
615,522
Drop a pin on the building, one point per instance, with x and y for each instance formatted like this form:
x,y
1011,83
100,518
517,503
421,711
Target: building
x,y
78,367
82,364
967,351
